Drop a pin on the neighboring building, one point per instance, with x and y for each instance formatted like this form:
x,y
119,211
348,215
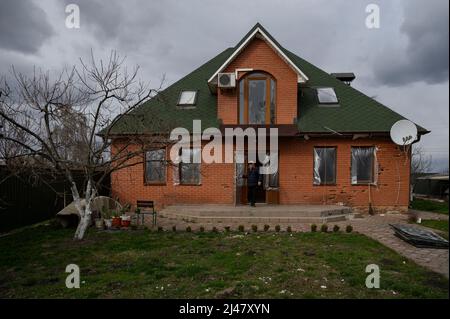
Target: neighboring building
x,y
334,144
433,186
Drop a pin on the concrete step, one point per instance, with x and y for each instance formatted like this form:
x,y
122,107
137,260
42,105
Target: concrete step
x,y
257,219
263,211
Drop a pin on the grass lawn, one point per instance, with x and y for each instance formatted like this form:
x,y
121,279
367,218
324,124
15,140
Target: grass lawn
x,y
430,206
145,264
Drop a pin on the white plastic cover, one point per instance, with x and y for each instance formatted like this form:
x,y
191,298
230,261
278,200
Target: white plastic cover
x,y
324,165
364,165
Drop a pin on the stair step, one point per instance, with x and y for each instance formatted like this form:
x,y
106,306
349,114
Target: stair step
x,y
257,219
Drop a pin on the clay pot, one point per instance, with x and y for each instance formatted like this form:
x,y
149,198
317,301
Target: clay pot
x,y
126,221
116,221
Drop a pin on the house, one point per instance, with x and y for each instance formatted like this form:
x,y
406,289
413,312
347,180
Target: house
x,y
333,141
431,186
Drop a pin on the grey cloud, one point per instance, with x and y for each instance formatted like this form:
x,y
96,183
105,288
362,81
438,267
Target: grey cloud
x,y
174,37
122,21
23,26
425,58
103,17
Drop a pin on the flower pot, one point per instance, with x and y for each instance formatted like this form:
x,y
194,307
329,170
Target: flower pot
x,y
126,220
116,221
108,223
99,223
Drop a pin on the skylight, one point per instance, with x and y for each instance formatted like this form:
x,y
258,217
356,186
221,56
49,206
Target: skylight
x,y
187,98
327,96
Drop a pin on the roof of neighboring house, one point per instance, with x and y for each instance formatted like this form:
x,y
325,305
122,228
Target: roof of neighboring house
x,y
356,112
435,177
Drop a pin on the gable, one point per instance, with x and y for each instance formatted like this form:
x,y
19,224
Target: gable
x,y
257,57
259,33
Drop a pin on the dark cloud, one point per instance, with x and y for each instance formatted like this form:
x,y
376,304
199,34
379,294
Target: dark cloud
x,y
425,57
122,21
173,37
23,26
104,18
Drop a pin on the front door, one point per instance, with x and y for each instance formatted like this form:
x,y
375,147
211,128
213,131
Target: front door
x,y
241,168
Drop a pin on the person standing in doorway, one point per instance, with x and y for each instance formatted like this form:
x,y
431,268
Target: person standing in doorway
x,y
253,180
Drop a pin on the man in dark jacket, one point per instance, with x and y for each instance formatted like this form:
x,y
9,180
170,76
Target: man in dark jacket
x,y
253,180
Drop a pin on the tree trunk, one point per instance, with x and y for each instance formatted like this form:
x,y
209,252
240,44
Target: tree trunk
x,y
85,212
83,225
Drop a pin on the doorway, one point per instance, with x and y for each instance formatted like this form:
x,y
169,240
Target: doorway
x,y
241,170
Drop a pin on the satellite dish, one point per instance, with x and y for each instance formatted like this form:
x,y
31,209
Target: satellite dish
x,y
403,132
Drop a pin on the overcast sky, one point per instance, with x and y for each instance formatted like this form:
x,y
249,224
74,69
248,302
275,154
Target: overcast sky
x,y
403,64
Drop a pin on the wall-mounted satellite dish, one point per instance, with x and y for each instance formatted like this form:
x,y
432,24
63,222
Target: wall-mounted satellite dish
x,y
403,132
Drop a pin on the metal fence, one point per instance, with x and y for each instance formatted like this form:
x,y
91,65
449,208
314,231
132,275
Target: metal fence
x,y
25,201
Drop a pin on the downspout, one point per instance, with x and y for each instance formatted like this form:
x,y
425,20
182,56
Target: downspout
x,y
410,159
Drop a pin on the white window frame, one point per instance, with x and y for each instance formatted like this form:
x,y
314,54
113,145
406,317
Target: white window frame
x,y
324,89
187,104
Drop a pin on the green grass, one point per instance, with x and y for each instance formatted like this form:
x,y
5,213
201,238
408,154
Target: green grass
x,y
430,206
144,264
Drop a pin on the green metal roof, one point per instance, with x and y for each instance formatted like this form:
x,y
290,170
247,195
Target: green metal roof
x,y
356,112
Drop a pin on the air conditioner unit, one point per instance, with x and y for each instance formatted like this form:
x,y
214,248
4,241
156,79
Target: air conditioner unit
x,y
226,80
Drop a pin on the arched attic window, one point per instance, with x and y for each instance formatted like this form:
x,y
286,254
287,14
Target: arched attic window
x,y
257,96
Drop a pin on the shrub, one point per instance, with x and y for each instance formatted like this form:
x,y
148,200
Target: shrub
x,y
289,229
313,228
255,228
202,229
336,228
227,229
215,230
188,229
349,228
277,228
174,228
324,228
160,228
266,227
241,228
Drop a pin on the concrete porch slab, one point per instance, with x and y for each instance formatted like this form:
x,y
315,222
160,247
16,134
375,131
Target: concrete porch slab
x,y
260,213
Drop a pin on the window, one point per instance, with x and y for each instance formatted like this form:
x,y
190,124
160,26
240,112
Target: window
x,y
257,99
155,166
187,98
327,96
324,165
271,180
363,165
190,171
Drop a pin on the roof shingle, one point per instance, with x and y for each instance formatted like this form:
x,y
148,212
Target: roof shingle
x,y
356,111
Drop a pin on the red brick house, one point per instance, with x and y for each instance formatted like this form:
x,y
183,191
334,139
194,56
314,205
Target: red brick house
x,y
334,144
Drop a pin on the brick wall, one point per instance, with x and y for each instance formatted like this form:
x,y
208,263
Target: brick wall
x,y
296,179
258,55
296,175
217,186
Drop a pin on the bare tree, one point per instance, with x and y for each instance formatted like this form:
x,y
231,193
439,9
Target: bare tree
x,y
420,162
54,125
